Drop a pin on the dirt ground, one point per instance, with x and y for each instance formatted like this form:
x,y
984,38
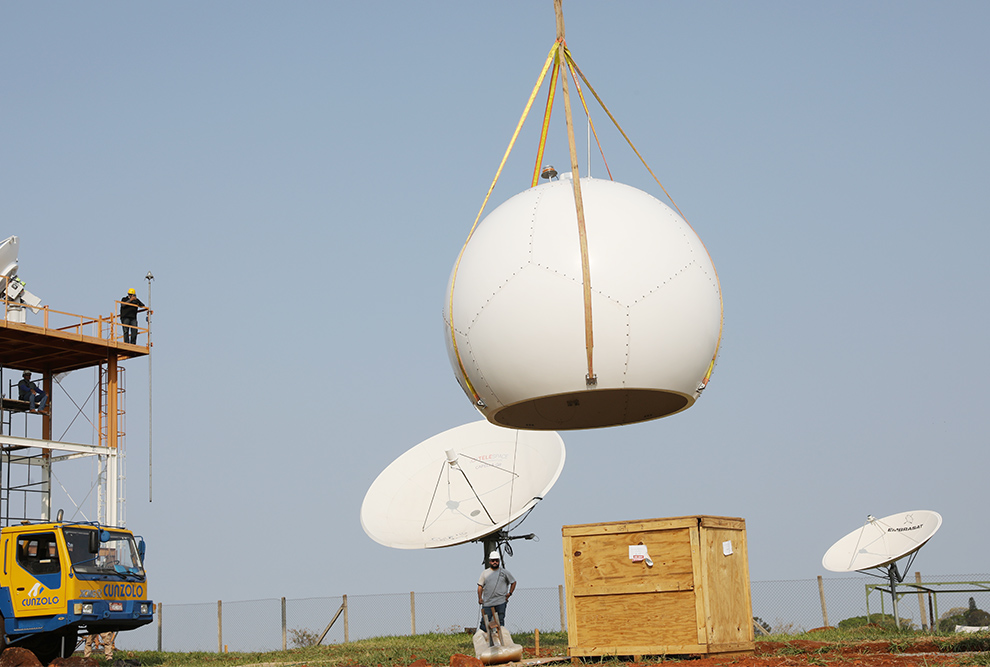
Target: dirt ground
x,y
862,654
919,653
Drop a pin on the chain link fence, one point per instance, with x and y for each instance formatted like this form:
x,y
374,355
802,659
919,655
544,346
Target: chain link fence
x,y
796,606
784,607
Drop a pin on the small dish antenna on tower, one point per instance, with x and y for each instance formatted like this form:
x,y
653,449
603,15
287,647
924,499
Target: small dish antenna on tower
x,y
12,290
880,543
463,485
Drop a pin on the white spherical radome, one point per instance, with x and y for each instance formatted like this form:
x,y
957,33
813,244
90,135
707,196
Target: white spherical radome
x,y
515,317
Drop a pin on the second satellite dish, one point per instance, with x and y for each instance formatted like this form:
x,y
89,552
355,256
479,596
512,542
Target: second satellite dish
x,y
880,542
461,485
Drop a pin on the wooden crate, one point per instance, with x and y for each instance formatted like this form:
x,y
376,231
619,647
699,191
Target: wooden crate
x,y
694,599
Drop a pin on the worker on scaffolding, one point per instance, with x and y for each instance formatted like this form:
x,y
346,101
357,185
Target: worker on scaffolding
x,y
128,315
30,392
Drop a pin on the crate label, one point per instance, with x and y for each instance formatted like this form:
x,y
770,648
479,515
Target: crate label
x,y
638,553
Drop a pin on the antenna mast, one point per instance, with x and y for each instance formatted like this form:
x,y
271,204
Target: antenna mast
x,y
149,278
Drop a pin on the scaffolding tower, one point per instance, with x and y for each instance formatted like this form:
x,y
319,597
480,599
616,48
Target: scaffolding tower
x,y
59,343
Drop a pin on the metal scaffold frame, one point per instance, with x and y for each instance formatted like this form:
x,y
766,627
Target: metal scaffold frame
x,y
51,350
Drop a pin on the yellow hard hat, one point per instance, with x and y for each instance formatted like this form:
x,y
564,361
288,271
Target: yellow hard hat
x,y
131,291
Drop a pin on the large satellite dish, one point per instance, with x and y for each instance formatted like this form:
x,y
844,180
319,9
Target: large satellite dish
x,y
461,485
880,543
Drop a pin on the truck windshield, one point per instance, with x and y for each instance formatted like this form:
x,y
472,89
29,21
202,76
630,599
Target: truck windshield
x,y
118,555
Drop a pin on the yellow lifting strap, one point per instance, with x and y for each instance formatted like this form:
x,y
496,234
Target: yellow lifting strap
x,y
546,118
450,306
578,200
559,53
589,337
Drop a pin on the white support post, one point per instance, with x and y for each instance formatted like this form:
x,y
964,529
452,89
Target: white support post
x,y
46,485
111,480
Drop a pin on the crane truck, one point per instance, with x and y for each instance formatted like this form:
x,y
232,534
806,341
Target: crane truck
x,y
61,580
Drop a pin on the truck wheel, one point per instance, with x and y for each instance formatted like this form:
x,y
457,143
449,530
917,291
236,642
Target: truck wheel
x,y
51,647
3,635
47,652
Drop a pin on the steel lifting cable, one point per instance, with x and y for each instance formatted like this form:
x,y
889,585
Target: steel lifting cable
x,y
711,365
453,279
571,62
591,123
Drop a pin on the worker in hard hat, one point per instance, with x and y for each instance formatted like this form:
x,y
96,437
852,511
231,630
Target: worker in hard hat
x,y
32,393
495,587
128,315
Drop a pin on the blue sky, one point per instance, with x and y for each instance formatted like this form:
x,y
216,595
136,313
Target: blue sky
x,y
299,177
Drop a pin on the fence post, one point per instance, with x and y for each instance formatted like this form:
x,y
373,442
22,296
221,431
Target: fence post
x,y
346,622
933,610
412,610
563,617
821,594
284,645
219,626
921,601
159,627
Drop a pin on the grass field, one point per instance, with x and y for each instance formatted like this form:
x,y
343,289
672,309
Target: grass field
x,y
436,649
862,647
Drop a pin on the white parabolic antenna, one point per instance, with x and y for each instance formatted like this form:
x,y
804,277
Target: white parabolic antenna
x,y
461,485
880,542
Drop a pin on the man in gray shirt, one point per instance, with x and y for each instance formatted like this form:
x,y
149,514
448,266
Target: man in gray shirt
x,y
495,587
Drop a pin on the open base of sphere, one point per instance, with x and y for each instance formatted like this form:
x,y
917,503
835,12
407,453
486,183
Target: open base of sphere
x,y
595,408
